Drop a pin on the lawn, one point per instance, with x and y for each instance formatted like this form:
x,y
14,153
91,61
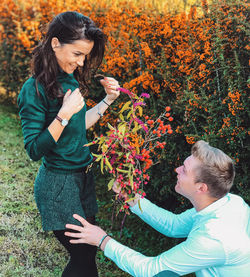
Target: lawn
x,y
28,251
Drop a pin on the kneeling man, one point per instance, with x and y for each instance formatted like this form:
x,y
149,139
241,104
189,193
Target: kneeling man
x,y
217,228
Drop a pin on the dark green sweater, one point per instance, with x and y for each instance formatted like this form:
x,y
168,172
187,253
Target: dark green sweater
x,y
69,152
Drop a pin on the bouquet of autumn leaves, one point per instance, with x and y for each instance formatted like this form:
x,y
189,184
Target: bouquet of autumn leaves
x,y
126,150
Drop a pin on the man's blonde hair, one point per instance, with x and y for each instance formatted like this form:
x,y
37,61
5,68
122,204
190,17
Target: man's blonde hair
x,y
217,169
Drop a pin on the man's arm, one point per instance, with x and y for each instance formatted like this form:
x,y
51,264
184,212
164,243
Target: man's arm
x,y
165,222
190,256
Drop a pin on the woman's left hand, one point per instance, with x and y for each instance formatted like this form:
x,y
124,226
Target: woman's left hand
x,y
88,233
110,85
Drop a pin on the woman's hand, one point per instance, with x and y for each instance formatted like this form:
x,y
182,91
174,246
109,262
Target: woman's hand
x,y
110,85
73,102
88,233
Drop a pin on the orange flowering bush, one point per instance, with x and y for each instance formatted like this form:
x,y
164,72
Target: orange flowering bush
x,y
197,62
131,147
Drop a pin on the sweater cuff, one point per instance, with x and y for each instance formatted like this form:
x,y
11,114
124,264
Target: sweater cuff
x,y
45,141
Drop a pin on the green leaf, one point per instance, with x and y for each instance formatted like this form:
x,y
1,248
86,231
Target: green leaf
x,y
111,127
130,199
131,181
130,174
125,107
104,148
110,184
122,170
140,110
108,164
122,129
101,140
88,144
98,157
102,165
139,205
121,117
129,114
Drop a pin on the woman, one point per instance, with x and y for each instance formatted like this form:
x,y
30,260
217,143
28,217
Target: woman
x,y
54,122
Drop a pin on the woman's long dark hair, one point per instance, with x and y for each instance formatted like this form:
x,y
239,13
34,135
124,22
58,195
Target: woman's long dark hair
x,y
67,27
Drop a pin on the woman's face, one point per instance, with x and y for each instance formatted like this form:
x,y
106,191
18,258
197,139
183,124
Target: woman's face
x,y
70,56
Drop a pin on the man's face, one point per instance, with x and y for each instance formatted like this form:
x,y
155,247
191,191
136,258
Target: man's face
x,y
186,185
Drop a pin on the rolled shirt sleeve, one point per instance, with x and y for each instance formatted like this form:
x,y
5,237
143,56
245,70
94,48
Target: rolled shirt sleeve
x,y
165,222
32,109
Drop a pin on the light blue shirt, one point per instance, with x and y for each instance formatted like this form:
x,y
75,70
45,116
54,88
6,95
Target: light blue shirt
x,y
217,244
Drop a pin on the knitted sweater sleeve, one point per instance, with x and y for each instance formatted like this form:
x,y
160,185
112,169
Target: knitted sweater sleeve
x,y
32,110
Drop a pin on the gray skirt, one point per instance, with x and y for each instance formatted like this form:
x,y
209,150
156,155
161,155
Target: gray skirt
x,y
59,195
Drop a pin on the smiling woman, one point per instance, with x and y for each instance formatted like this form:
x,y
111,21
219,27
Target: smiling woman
x,y
69,34
54,122
70,56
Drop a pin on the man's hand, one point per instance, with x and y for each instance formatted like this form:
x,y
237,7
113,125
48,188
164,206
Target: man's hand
x,y
117,189
88,233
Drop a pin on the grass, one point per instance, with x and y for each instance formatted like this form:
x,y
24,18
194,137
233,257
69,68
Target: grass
x,y
28,251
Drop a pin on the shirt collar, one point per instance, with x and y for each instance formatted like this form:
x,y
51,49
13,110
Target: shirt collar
x,y
214,206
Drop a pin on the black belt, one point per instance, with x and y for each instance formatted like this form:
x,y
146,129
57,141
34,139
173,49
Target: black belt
x,y
84,169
